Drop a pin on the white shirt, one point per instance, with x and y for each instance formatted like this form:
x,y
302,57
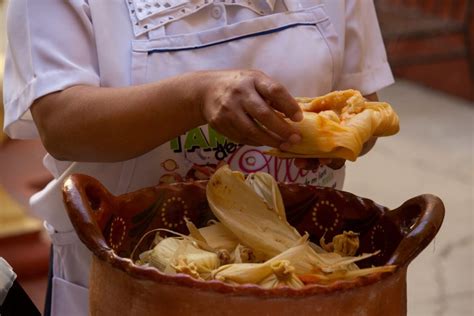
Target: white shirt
x,y
88,42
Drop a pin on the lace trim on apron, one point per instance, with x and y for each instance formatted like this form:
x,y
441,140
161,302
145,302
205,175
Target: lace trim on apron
x,y
147,15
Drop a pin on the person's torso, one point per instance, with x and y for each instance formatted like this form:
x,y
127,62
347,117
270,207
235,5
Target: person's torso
x,y
297,43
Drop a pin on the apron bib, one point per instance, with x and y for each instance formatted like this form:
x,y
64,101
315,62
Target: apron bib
x,y
297,47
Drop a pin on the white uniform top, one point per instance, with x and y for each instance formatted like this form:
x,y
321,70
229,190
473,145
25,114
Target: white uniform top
x,y
310,46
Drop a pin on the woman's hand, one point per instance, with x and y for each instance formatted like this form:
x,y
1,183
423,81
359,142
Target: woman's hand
x,y
243,105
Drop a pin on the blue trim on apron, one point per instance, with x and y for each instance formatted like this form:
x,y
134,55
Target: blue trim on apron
x,y
165,50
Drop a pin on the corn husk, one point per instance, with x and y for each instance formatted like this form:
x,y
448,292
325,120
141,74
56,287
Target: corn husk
x,y
283,275
182,265
332,262
225,257
256,273
338,124
216,236
250,219
162,254
177,255
306,260
267,188
321,278
144,258
316,248
345,244
243,254
296,261
242,273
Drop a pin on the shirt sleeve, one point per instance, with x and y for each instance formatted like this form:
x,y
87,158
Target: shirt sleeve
x,y
365,66
50,47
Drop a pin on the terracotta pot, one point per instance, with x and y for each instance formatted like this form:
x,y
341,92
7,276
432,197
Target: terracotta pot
x,y
111,226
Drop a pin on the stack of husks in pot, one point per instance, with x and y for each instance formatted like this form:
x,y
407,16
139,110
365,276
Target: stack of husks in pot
x,y
252,242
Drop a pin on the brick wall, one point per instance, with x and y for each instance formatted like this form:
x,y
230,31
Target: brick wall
x,y
452,75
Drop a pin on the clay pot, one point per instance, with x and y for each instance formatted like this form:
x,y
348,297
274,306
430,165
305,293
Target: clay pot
x,y
110,226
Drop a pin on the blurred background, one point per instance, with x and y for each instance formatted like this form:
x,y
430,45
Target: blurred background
x,y
430,44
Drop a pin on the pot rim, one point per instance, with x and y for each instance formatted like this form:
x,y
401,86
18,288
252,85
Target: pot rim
x,y
420,229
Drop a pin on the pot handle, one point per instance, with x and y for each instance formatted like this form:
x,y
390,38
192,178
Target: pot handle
x,y
89,205
419,219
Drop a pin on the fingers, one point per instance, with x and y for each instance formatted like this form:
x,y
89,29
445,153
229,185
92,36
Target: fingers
x,y
306,163
233,133
278,96
253,133
368,145
259,110
249,107
242,129
313,163
335,164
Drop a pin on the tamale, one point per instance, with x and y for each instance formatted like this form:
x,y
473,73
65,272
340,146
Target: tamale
x,y
338,124
177,255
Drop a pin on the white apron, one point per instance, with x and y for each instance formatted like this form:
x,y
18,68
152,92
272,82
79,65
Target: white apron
x,y
297,48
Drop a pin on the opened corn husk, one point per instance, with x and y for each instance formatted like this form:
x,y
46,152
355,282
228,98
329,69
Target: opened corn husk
x,y
321,278
338,124
250,219
267,188
253,243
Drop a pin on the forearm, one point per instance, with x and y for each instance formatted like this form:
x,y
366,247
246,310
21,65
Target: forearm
x,y
113,124
84,123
